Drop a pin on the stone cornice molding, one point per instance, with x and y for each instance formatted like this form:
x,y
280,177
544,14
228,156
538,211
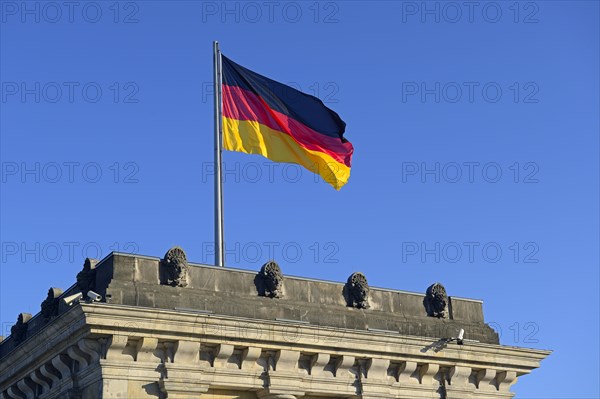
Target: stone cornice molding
x,y
187,354
104,318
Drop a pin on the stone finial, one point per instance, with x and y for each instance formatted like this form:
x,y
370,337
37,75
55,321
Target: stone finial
x,y
19,330
175,268
50,304
356,291
86,278
436,301
270,280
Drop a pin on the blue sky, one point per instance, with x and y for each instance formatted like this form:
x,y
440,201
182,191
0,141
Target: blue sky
x,y
475,130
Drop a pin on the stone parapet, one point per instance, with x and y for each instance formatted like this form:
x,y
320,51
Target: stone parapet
x,y
143,281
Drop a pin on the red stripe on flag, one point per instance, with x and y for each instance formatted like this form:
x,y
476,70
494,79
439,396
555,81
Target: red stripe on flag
x,y
242,104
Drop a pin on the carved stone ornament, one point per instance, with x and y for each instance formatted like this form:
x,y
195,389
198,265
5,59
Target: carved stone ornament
x,y
356,291
50,304
19,330
175,268
270,280
436,301
86,278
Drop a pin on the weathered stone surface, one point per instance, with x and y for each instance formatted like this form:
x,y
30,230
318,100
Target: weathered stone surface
x,y
356,291
269,280
215,338
86,278
436,301
135,280
50,304
234,292
154,352
174,268
18,332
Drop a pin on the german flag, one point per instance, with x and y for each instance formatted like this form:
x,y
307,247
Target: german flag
x,y
262,116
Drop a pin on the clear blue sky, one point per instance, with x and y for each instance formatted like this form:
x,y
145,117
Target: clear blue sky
x,y
476,153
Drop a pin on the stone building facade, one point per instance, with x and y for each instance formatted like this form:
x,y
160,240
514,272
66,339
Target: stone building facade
x,y
163,328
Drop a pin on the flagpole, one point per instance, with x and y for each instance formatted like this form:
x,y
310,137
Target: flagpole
x,y
219,246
